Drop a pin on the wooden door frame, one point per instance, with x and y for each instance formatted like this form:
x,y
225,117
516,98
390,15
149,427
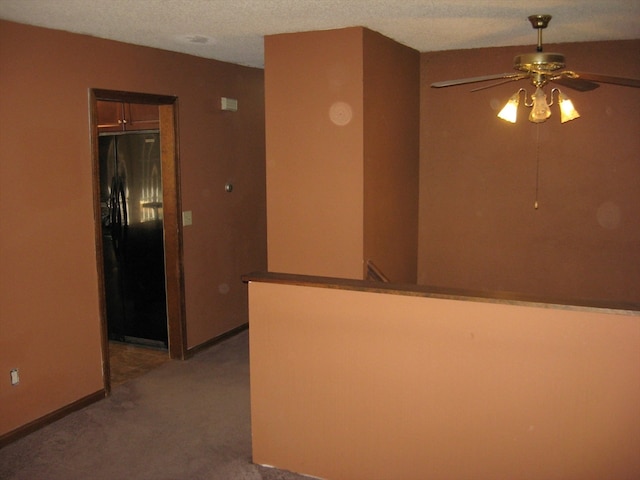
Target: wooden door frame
x,y
174,272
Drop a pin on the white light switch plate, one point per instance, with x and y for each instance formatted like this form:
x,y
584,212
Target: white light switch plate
x,y
187,218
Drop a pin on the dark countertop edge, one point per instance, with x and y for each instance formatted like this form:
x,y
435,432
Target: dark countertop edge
x,y
507,298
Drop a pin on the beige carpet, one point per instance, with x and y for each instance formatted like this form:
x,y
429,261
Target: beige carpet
x,y
181,421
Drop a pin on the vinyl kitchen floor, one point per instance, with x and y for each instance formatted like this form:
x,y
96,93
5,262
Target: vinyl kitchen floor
x,y
130,361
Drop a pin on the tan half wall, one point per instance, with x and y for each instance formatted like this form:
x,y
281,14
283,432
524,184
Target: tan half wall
x,y
372,384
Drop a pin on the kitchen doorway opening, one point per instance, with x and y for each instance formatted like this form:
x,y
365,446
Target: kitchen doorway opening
x,y
138,230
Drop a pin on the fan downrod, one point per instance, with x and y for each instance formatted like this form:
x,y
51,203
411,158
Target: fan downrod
x,y
539,22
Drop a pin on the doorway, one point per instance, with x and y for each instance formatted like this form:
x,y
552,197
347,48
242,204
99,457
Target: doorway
x,y
154,137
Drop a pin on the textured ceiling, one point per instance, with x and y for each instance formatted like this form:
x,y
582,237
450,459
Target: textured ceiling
x,y
233,30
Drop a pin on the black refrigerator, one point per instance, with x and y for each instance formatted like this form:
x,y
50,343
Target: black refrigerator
x,y
132,238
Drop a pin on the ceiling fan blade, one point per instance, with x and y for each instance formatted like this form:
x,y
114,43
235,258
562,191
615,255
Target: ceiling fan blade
x,y
515,78
484,78
579,84
596,77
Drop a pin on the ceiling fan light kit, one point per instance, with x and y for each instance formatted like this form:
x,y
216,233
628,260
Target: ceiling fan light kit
x,y
541,68
540,108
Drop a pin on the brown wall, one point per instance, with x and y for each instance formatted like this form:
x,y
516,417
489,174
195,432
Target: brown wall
x,y
369,385
342,153
49,313
478,226
314,160
391,152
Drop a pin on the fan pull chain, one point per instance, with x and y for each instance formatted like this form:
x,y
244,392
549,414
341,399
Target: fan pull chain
x,y
535,204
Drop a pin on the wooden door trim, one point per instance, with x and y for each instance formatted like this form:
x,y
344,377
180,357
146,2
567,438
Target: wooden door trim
x,y
172,213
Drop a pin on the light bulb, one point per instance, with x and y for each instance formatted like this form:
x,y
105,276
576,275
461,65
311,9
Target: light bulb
x,y
567,110
540,111
510,111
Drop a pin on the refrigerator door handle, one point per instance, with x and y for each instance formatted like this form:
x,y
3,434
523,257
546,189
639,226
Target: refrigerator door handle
x,y
118,213
123,203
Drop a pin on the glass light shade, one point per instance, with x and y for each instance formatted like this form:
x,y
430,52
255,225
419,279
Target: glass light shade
x,y
567,110
510,111
540,111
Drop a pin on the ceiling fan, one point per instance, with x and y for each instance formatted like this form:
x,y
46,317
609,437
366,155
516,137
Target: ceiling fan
x,y
542,68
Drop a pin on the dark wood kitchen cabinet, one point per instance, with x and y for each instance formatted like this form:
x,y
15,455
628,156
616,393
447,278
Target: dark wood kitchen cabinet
x,y
122,116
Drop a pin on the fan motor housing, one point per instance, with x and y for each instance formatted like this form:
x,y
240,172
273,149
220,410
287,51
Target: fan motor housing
x,y
539,62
